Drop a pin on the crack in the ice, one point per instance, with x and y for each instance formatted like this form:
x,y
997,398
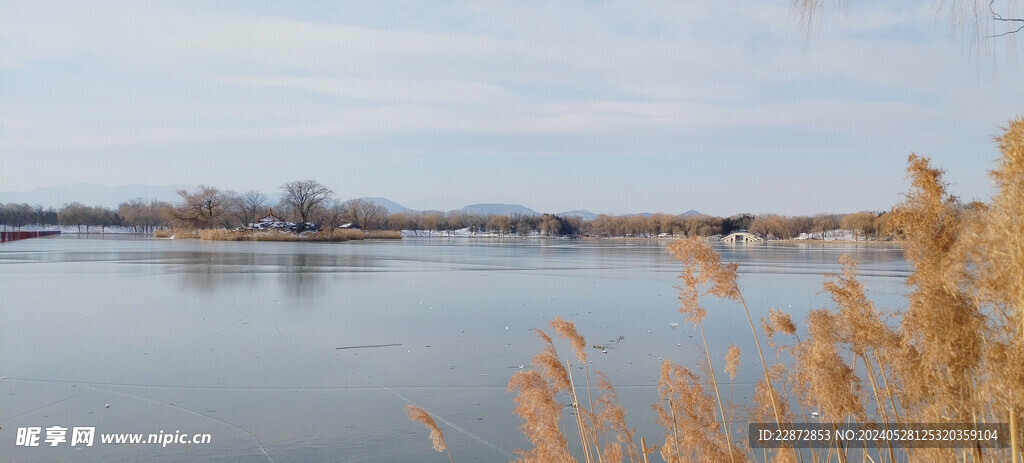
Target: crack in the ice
x,y
194,412
40,407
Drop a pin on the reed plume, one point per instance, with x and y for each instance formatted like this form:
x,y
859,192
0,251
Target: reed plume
x,y
567,330
825,379
997,254
537,406
611,417
942,323
782,322
702,267
436,437
687,412
732,361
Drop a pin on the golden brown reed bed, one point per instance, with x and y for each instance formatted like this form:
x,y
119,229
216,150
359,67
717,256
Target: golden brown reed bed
x,y
954,355
383,235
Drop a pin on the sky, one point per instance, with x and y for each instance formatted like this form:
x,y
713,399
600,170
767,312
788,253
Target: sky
x,y
612,106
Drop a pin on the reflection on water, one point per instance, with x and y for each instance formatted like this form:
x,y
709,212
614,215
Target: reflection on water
x,y
299,275
241,339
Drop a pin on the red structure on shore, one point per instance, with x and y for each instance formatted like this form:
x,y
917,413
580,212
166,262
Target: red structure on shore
x,y
24,235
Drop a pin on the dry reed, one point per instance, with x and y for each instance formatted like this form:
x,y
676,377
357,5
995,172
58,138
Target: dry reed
x,y
953,356
537,406
185,234
732,361
436,436
277,235
688,414
703,268
782,322
383,235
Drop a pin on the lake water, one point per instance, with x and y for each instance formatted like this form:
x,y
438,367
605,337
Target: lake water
x,y
241,340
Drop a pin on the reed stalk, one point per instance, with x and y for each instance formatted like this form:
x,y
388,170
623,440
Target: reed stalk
x,y
718,396
1014,445
580,424
593,416
879,402
764,366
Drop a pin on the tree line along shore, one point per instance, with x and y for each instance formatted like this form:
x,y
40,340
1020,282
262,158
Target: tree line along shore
x,y
309,202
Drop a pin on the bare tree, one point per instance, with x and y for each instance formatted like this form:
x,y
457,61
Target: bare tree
x,y
16,215
249,206
304,197
773,226
367,215
73,214
133,213
333,215
860,223
402,221
549,225
499,223
76,214
430,221
824,223
203,208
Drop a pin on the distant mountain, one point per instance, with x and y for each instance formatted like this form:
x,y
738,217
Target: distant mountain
x,y
99,195
684,214
581,213
587,215
497,209
92,195
388,204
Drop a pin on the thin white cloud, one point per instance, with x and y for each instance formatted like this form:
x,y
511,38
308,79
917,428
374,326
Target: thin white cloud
x,y
557,77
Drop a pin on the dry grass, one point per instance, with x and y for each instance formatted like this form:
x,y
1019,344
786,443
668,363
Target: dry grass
x,y
162,233
954,355
344,234
232,235
383,235
276,235
185,234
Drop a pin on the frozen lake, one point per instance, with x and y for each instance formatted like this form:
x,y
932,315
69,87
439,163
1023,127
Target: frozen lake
x,y
241,340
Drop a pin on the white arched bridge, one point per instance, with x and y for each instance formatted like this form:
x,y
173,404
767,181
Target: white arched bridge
x,y
741,237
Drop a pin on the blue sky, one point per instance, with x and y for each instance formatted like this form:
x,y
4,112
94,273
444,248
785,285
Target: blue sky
x,y
614,107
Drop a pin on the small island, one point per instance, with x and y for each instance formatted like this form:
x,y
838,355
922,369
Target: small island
x,y
211,214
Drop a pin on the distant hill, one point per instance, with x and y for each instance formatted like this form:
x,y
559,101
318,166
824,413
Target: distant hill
x,y
388,204
581,213
99,195
92,195
497,209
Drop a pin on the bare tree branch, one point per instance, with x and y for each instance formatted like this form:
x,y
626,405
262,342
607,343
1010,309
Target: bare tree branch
x,y
998,17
